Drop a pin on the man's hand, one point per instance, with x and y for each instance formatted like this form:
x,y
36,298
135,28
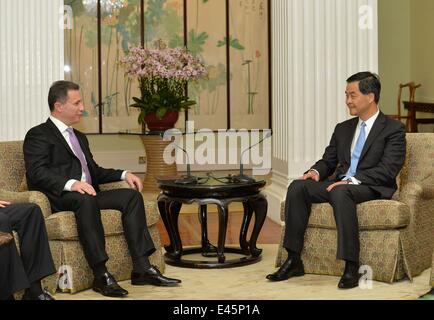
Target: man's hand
x,y
134,181
310,175
4,204
339,183
83,188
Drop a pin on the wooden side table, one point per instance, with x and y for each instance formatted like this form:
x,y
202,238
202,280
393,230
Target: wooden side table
x,y
170,201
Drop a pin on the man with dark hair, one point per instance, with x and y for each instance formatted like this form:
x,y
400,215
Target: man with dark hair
x,y
35,263
365,154
59,163
59,92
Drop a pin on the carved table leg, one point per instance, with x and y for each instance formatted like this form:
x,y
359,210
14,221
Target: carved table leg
x,y
260,207
208,250
248,212
162,207
169,211
223,224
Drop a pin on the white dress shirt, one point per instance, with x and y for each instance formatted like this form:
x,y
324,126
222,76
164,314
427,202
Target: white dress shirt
x,y
63,130
369,124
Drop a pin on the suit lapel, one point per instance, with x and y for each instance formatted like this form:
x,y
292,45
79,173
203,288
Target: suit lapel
x,y
378,126
52,127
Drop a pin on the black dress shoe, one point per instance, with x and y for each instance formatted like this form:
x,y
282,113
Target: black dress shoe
x,y
107,286
350,279
43,296
152,276
290,268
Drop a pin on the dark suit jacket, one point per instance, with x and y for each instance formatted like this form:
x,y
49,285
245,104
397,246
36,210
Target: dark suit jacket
x,y
50,162
382,156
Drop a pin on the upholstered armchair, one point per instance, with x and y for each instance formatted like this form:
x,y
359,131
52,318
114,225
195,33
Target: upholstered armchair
x,y
396,236
74,273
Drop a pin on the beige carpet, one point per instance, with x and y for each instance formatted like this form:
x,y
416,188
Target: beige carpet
x,y
249,283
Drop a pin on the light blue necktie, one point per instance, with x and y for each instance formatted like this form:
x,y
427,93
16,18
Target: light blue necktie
x,y
355,157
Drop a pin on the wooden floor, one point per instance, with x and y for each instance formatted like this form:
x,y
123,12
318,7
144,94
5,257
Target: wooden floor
x,y
190,232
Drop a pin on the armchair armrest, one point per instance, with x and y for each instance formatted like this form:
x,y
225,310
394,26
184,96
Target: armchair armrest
x,y
428,187
14,197
411,192
35,197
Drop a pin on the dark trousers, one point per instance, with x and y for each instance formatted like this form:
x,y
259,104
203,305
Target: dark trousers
x,y
299,199
35,263
89,225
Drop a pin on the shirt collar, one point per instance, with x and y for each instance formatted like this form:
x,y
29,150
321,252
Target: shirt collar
x,y
59,124
370,121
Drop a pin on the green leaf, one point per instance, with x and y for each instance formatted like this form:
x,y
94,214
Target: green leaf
x,y
141,118
234,43
161,112
187,104
221,43
196,41
137,100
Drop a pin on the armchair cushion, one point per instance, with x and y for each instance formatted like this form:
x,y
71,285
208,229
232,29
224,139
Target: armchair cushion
x,y
372,215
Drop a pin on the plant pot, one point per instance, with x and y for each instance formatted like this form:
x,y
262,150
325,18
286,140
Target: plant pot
x,y
166,122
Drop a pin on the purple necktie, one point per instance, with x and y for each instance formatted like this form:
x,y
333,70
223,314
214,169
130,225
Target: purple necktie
x,y
79,153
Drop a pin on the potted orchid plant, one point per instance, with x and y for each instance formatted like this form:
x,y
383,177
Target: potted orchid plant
x,y
163,74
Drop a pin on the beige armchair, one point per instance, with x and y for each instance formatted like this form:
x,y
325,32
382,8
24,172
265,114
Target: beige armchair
x,y
396,236
74,273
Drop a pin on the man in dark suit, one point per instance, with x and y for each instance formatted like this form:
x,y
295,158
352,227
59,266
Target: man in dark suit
x,y
366,154
60,164
35,263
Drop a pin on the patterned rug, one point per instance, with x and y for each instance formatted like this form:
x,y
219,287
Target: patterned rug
x,y
249,283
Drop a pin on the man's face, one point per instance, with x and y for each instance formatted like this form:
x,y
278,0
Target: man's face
x,y
358,103
70,112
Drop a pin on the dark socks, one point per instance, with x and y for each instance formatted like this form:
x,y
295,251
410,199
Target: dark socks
x,y
99,269
35,289
141,264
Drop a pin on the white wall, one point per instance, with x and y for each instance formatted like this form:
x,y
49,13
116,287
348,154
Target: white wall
x,y
31,58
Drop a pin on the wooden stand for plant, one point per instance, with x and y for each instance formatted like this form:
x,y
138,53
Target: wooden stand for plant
x,y
156,166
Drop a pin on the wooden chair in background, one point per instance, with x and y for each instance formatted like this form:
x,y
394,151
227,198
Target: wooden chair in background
x,y
412,92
